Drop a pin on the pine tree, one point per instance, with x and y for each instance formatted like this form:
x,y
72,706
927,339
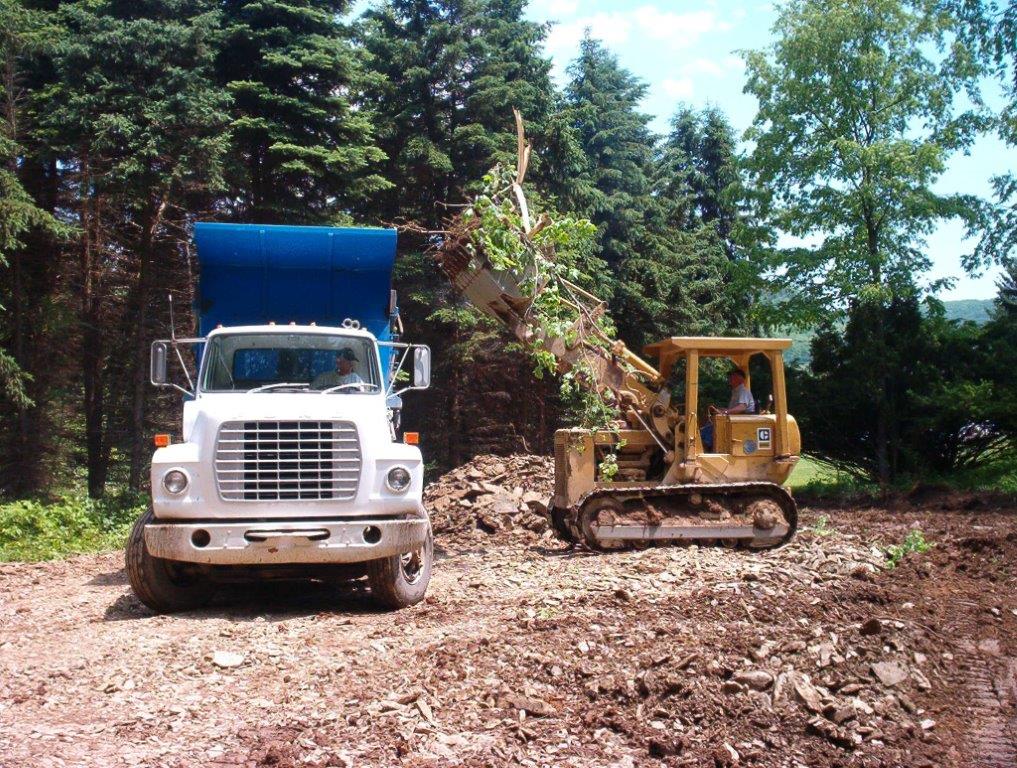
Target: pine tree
x,y
302,151
1006,297
449,74
669,270
613,188
19,214
698,172
140,127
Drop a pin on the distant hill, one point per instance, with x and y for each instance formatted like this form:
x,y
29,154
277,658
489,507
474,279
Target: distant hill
x,y
975,310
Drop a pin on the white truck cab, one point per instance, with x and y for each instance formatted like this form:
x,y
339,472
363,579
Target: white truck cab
x,y
288,465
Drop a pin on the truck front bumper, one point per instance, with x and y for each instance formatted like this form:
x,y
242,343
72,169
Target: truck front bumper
x,y
269,543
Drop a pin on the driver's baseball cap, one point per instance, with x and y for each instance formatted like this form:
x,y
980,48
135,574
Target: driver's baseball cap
x,y
347,354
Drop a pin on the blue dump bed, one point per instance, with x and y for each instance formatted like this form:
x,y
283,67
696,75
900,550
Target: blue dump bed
x,y
253,274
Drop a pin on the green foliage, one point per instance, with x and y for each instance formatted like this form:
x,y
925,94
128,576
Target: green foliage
x,y
135,106
823,527
544,261
947,398
989,27
663,218
1006,298
445,77
608,467
913,543
857,118
23,31
302,151
41,530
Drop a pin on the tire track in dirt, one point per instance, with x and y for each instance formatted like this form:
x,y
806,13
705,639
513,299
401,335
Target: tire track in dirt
x,y
992,685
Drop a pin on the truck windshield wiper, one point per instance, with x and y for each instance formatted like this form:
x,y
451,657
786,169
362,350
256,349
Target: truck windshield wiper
x,y
351,384
278,384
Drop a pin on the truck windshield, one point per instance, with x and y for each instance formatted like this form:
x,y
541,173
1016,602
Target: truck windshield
x,y
287,362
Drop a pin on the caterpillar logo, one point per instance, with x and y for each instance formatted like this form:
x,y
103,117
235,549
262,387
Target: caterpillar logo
x,y
763,437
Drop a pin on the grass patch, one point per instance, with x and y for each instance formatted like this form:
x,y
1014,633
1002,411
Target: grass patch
x,y
812,477
996,476
33,530
820,480
823,527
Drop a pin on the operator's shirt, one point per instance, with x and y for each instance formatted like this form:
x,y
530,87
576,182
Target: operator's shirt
x,y
335,379
741,395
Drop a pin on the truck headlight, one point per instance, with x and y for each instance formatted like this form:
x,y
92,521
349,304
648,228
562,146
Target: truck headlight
x,y
174,481
398,479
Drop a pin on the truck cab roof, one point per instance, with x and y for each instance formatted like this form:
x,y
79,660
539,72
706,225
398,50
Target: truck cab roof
x,y
325,330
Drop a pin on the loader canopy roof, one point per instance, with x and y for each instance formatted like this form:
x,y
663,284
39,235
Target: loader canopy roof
x,y
739,349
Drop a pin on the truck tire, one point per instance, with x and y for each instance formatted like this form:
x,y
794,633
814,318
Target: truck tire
x,y
401,580
156,581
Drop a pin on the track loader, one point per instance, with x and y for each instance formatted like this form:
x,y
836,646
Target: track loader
x,y
650,479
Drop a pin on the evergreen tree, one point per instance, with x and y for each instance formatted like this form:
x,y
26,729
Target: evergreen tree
x,y
613,187
19,214
449,73
697,184
1006,297
302,151
698,172
140,127
669,269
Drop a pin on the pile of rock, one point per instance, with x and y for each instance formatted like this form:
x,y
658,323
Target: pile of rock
x,y
493,495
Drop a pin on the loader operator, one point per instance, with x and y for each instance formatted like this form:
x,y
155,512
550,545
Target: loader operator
x,y
742,401
343,373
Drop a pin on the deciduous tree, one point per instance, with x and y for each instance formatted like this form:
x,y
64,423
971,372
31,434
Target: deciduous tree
x,y
857,117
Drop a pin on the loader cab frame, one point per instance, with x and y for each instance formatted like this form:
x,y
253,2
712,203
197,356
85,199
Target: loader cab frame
x,y
760,438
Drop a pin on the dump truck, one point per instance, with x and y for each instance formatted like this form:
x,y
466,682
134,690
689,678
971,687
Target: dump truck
x,y
289,463
651,479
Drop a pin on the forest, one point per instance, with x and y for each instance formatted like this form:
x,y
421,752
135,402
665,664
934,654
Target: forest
x,y
123,122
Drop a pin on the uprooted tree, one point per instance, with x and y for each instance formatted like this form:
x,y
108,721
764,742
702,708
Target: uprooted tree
x,y
519,266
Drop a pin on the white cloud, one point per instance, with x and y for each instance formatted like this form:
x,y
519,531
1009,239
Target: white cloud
x,y
610,28
647,22
556,8
677,88
678,29
713,67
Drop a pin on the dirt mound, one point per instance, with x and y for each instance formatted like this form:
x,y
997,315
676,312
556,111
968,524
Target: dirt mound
x,y
493,495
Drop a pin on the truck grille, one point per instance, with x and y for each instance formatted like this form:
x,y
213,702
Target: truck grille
x,y
287,460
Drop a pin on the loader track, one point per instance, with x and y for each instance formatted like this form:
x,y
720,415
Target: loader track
x,y
579,522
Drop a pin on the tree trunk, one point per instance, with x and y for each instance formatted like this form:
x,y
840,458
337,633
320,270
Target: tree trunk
x,y
150,224
97,452
882,375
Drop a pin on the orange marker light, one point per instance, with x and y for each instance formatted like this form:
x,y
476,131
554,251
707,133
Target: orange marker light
x,y
411,438
161,441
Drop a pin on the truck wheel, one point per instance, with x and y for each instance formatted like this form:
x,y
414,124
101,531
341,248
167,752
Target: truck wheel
x,y
401,580
157,582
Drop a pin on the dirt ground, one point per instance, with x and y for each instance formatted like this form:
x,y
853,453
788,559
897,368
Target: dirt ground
x,y
529,653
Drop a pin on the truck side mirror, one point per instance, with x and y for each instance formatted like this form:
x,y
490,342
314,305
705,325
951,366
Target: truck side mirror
x,y
158,363
421,367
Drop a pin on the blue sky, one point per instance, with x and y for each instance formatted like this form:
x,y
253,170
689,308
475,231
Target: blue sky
x,y
687,51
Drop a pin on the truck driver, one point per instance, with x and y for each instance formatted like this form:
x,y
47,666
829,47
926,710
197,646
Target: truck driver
x,y
343,373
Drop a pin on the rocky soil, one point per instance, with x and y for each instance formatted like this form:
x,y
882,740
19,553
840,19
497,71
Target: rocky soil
x,y
527,652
